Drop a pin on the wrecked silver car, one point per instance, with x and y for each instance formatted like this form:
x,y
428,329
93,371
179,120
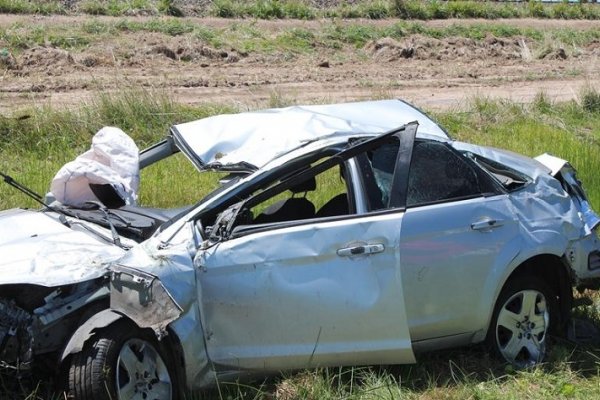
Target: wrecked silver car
x,y
346,234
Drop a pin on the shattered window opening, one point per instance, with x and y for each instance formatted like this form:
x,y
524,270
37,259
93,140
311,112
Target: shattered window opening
x,y
437,174
383,163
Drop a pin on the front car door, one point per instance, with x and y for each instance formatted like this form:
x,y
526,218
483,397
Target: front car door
x,y
316,292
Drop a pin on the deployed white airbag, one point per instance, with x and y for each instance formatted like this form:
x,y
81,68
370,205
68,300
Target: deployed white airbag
x,y
113,159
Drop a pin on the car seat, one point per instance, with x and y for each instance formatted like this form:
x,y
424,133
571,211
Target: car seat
x,y
293,208
337,205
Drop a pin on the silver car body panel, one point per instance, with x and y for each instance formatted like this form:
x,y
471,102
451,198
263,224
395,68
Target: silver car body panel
x,y
567,172
38,249
172,262
451,268
254,297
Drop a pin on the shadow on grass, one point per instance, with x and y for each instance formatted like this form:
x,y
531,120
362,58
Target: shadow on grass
x,y
453,372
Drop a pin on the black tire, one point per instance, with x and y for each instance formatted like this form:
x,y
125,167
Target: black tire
x,y
121,361
525,315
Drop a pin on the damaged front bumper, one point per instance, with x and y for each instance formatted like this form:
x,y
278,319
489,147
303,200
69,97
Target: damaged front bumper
x,y
26,334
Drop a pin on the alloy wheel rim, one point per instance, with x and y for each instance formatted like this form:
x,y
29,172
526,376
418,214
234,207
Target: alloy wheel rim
x,y
521,328
141,373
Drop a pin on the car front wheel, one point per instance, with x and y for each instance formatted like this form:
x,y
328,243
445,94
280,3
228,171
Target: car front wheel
x,y
523,318
121,362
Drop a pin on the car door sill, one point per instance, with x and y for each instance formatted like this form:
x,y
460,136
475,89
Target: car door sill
x,y
438,343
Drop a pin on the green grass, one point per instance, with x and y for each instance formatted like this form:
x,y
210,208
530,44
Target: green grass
x,y
247,37
32,149
404,9
44,7
306,9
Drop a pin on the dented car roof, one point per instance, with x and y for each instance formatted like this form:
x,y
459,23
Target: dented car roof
x,y
247,141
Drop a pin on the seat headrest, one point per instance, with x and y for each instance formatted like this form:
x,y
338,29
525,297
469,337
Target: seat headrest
x,y
306,186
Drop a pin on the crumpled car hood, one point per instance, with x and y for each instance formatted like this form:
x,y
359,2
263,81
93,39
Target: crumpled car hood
x,y
35,248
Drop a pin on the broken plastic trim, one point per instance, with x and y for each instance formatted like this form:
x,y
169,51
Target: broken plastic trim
x,y
399,190
16,336
143,298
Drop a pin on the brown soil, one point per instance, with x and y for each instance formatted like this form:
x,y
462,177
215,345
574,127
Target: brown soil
x,y
433,73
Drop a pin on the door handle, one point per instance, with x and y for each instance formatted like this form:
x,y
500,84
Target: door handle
x,y
358,250
486,224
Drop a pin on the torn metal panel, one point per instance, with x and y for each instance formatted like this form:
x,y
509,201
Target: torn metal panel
x,y
136,290
58,307
544,204
37,249
249,140
565,171
142,298
169,257
25,333
173,300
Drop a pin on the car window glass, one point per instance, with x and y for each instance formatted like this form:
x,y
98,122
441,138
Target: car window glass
x,y
437,174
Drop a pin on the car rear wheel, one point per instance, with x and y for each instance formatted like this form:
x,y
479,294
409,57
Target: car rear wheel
x,y
121,363
523,317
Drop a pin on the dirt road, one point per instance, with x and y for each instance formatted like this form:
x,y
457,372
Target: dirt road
x,y
433,73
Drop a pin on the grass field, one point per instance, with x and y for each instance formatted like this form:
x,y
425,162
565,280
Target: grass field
x,y
34,143
309,9
246,37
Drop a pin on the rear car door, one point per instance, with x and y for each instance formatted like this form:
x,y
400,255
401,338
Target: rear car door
x,y
458,235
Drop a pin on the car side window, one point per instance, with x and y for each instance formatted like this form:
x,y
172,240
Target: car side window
x,y
324,195
437,174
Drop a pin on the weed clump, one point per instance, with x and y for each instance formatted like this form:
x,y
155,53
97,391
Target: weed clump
x,y
590,100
